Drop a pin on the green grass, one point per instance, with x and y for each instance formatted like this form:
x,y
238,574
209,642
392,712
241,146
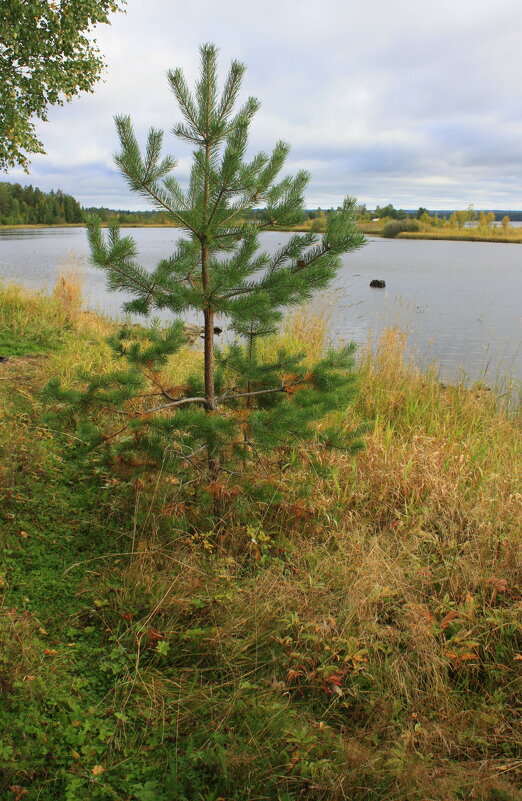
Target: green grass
x,y
359,640
29,323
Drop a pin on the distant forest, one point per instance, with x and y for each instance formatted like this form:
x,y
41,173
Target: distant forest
x,y
390,213
130,217
24,205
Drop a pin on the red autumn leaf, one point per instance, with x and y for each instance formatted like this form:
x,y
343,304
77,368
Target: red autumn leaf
x,y
446,620
174,509
179,390
298,510
425,613
153,636
335,678
220,490
18,791
499,584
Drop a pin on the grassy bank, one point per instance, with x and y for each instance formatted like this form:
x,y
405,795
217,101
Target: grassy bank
x,y
466,235
363,643
376,228
369,228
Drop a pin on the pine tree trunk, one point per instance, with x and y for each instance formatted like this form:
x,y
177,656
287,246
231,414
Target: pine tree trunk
x,y
209,360
208,313
246,433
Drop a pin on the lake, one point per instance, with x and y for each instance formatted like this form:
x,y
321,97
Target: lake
x,y
461,302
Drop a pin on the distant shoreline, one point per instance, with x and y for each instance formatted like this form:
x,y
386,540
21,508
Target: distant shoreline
x,y
443,235
83,225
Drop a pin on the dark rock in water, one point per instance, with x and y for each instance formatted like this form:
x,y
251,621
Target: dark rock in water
x,y
193,331
378,283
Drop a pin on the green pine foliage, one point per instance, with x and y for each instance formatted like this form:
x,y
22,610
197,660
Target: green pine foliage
x,y
239,404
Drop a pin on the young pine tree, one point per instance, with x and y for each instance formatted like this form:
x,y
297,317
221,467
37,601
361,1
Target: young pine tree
x,y
239,404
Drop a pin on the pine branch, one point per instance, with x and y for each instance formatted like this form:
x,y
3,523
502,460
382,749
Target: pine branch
x,y
231,90
180,402
110,265
156,383
180,89
220,398
233,396
153,192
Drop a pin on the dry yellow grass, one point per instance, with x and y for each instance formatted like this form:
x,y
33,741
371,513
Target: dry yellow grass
x,y
366,647
466,234
396,611
68,289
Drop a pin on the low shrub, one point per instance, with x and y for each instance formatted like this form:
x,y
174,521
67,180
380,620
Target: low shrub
x,y
395,227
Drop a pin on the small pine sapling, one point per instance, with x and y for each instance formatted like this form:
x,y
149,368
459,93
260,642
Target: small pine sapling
x,y
238,404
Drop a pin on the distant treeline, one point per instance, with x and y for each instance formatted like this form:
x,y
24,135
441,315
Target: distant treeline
x,y
514,216
388,212
162,218
130,217
25,205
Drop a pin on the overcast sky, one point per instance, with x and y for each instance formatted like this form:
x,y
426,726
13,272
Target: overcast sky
x,y
417,103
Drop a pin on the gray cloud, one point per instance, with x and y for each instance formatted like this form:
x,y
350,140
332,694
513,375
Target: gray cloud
x,y
417,104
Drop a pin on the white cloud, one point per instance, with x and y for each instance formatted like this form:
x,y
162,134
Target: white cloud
x,y
399,101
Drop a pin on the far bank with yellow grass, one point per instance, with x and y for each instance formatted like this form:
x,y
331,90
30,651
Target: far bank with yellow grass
x,y
466,235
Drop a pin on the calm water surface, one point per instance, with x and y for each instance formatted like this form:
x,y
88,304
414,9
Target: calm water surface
x,y
461,302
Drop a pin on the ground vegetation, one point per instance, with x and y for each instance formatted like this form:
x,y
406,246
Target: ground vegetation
x,y
361,641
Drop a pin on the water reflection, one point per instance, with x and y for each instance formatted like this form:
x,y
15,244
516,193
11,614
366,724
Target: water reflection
x,y
459,301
